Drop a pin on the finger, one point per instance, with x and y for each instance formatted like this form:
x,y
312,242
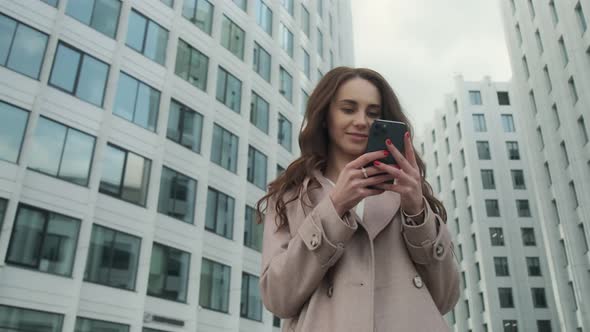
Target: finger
x,y
409,151
399,158
401,176
371,192
376,179
389,187
367,158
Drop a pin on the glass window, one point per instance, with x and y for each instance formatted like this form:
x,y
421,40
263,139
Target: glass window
x,y
259,113
285,132
496,236
252,230
508,123
286,88
503,98
517,179
112,258
3,204
582,129
214,286
199,13
43,240
543,325
533,266
510,325
169,3
479,123
320,43
564,56
169,271
137,102
261,62
125,175
276,321
286,39
518,34
522,207
229,90
79,74
15,319
147,37
191,65
436,158
506,300
501,266
528,236
257,166
51,2
224,148
533,101
487,179
539,42
241,3
547,79
475,97
306,64
93,325
62,152
573,90
13,122
232,37
305,21
101,15
220,213
525,67
288,5
264,16
304,100
539,299
22,48
185,126
177,195
581,18
512,148
250,302
492,208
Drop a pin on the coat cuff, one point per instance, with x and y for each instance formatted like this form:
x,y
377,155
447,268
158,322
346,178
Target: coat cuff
x,y
325,233
428,242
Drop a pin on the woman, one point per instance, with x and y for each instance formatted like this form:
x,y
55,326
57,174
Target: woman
x,y
338,256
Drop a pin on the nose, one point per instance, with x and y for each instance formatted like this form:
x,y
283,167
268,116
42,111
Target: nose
x,y
361,119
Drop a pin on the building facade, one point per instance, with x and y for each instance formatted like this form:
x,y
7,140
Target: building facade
x,y
135,139
476,165
549,46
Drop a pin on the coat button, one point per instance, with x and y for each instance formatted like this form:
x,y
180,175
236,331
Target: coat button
x,y
440,250
418,282
314,240
330,291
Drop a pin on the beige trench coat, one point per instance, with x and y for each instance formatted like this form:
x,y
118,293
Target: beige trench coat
x,y
324,273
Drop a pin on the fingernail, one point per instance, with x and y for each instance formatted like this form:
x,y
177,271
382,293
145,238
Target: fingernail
x,y
386,153
388,141
376,163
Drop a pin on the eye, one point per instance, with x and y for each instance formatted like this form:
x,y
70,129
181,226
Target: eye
x,y
347,110
374,114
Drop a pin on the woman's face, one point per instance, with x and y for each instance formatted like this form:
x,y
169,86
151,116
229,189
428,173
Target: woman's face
x,y
353,109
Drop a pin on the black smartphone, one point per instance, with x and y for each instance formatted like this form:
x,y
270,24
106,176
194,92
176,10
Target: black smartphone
x,y
382,130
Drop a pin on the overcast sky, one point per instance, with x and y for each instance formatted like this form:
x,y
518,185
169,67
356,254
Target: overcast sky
x,y
420,45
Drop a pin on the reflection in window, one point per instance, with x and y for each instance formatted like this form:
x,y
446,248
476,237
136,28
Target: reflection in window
x,y
305,26
112,258
79,74
232,37
177,195
147,37
51,2
199,13
483,150
286,39
475,97
487,179
3,204
191,65
501,266
92,325
261,62
125,175
252,230
185,126
62,152
320,44
512,148
214,286
229,90
286,88
14,319
517,179
508,123
257,164
137,102
219,217
528,236
224,148
21,47
522,207
101,15
284,135
496,236
169,270
13,122
492,208
306,64
264,16
259,112
479,123
250,302
43,240
533,266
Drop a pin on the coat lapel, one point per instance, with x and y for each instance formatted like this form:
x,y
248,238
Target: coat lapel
x,y
378,211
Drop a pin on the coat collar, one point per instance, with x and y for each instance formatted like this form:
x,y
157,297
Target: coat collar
x,y
379,210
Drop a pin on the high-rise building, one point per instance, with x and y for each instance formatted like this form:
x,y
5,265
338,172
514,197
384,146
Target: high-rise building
x,y
473,151
135,138
549,46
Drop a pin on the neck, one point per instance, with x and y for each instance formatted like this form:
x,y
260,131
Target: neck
x,y
335,164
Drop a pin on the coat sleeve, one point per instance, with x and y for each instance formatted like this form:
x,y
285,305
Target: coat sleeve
x,y
294,265
431,248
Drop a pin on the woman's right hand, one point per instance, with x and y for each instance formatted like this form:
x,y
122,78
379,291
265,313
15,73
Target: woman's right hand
x,y
351,186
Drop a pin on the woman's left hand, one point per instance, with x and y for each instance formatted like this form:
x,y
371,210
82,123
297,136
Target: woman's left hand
x,y
408,182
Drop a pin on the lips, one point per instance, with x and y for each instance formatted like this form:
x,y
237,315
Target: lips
x,y
358,135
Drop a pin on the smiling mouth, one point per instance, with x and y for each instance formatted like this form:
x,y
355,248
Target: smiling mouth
x,y
358,135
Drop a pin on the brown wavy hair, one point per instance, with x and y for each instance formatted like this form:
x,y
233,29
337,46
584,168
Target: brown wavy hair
x,y
314,142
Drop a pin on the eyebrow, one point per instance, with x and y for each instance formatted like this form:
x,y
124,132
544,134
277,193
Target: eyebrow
x,y
350,101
